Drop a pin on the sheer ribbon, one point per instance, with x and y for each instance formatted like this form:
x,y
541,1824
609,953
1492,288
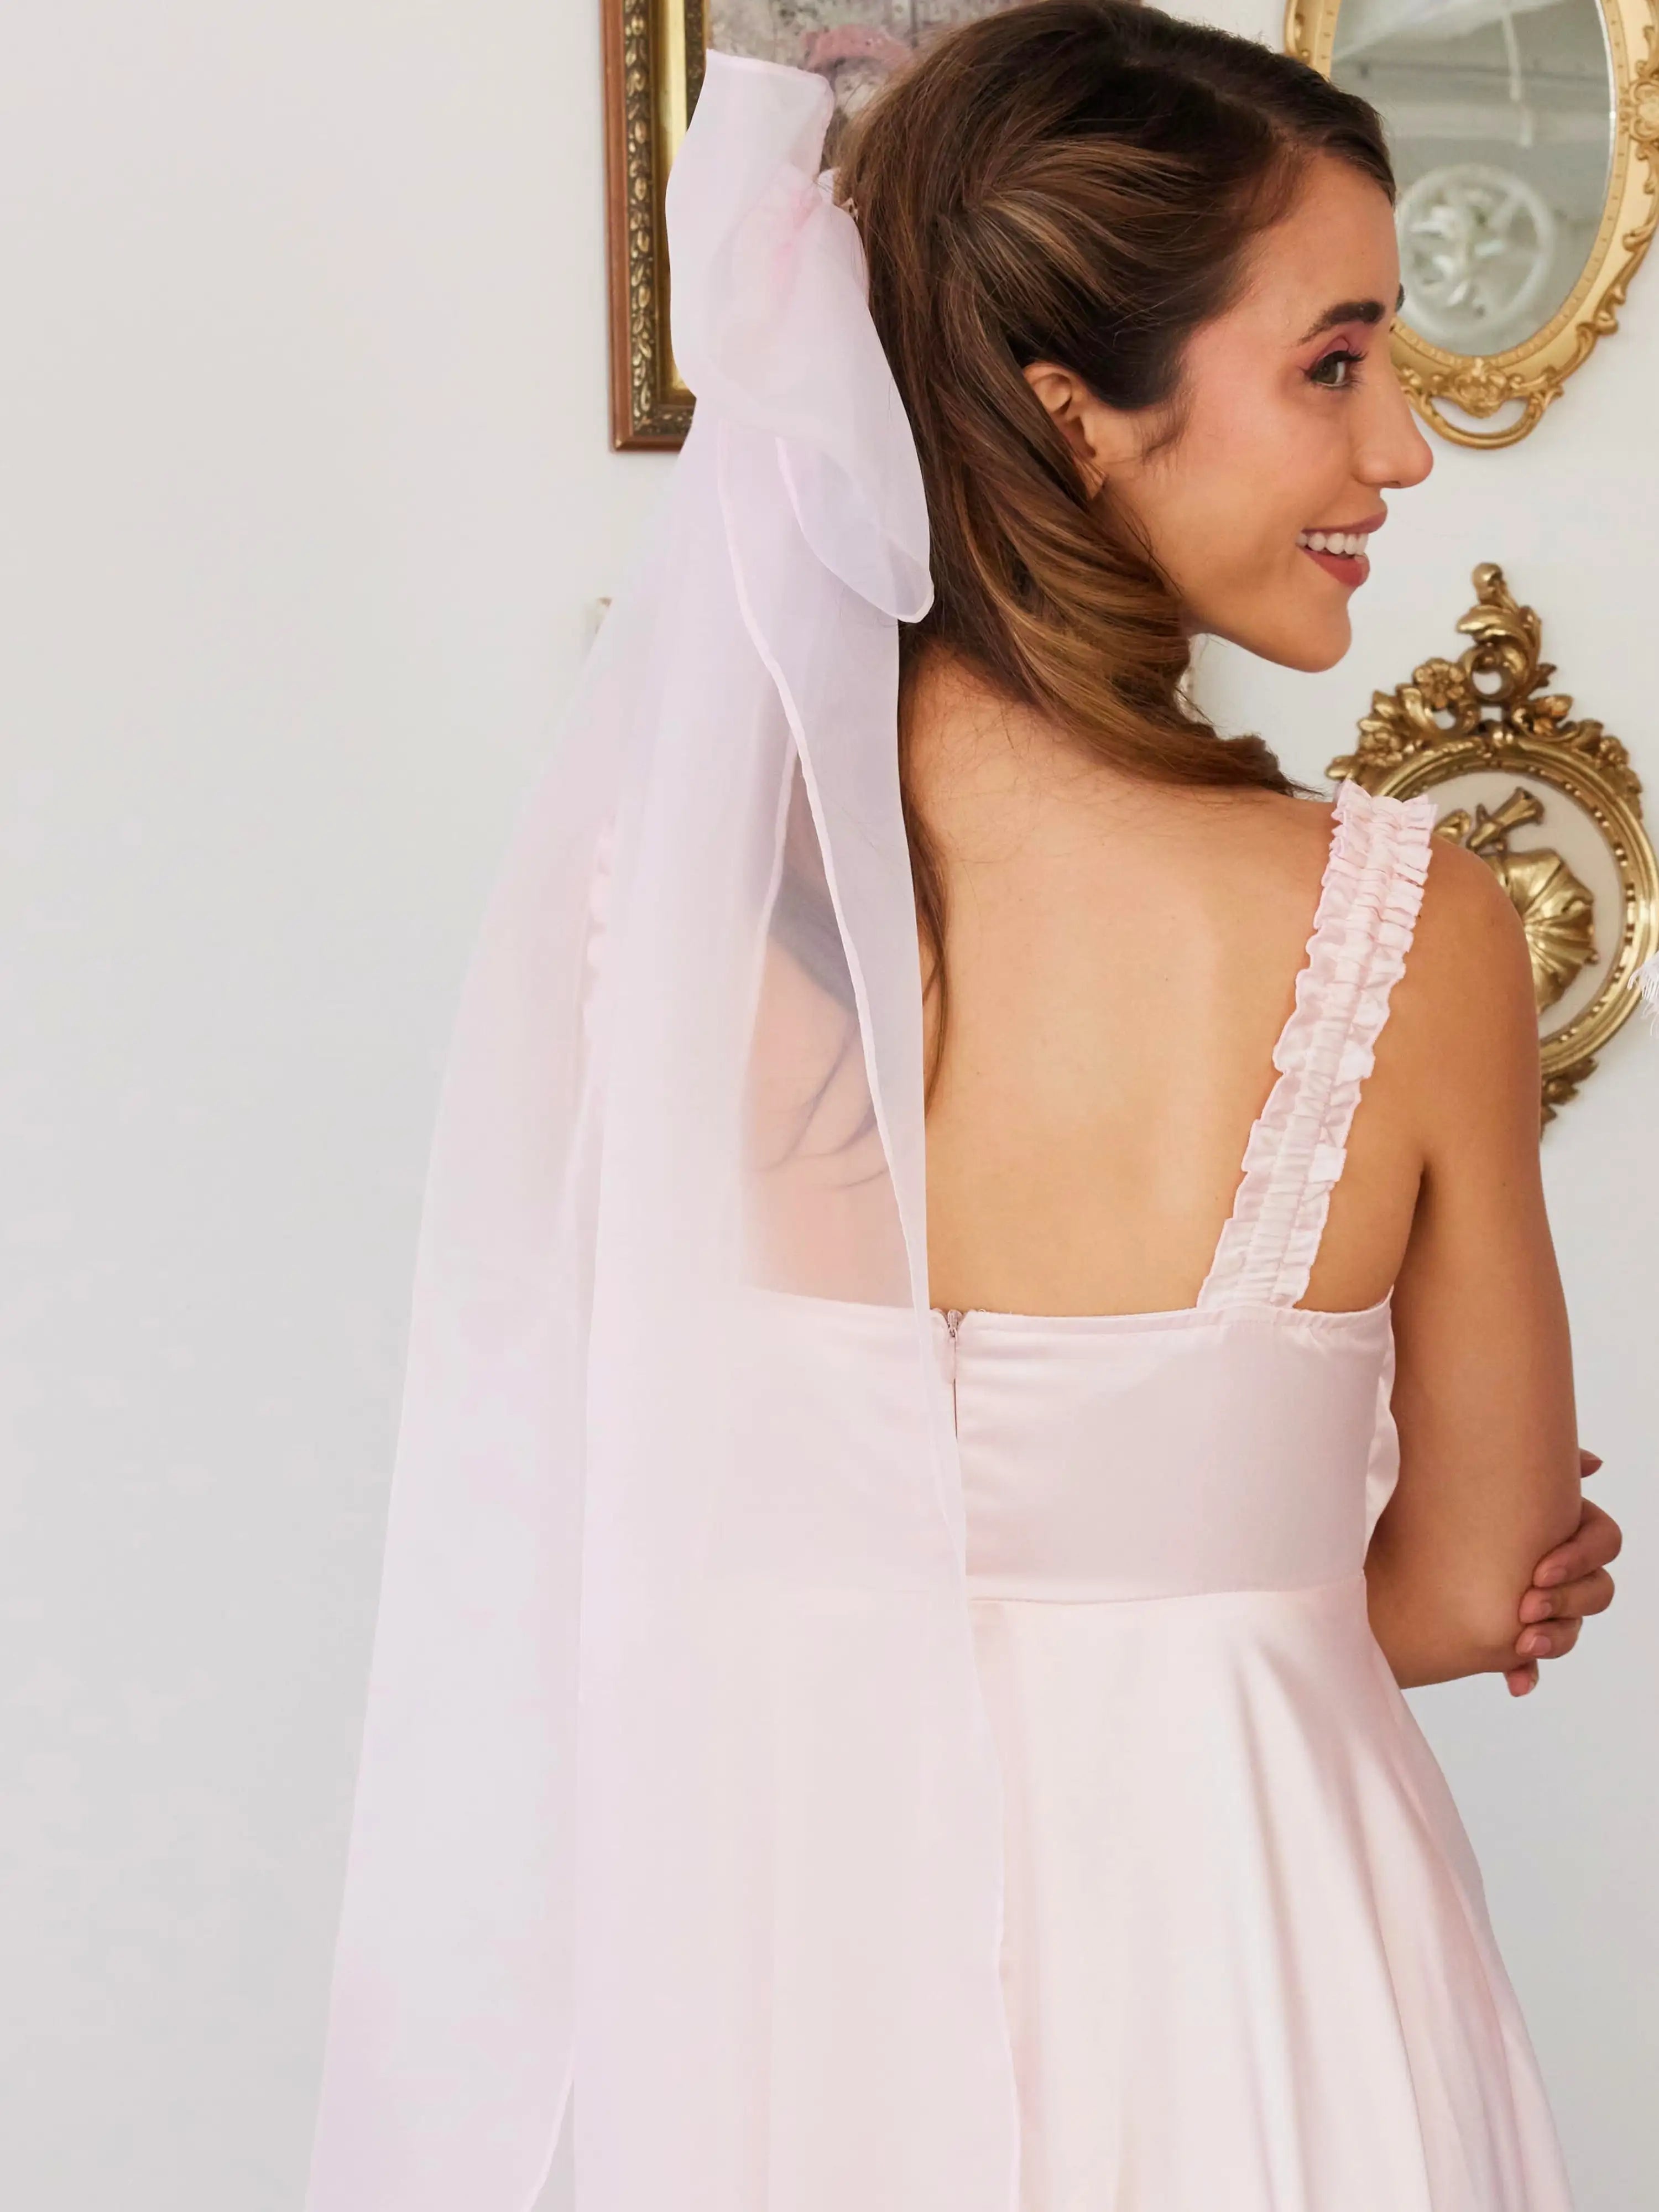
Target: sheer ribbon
x,y
676,1780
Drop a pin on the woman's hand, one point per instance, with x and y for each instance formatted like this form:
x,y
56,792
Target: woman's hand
x,y
1567,1584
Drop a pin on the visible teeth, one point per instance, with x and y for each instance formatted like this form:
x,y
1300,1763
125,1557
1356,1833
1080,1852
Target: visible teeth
x,y
1349,543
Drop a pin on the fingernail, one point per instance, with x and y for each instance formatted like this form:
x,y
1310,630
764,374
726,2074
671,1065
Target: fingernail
x,y
1537,1605
1534,1646
1549,1575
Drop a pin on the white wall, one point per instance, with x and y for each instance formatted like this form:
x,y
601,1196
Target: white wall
x,y
305,499
305,496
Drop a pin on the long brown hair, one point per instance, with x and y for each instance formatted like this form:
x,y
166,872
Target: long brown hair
x,y
1074,182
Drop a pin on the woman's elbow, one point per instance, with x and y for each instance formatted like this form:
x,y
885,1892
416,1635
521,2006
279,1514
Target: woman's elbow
x,y
1442,1634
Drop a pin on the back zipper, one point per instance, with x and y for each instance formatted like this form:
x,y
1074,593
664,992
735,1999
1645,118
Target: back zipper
x,y
953,1324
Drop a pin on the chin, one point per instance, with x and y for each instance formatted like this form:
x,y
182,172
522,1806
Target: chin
x,y
1314,659
1309,646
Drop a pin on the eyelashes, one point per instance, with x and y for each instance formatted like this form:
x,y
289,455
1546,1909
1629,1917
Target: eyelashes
x,y
1334,370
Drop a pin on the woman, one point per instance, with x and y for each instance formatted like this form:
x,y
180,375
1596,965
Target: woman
x,y
902,1555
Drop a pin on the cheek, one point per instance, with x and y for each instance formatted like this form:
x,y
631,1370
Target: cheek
x,y
1256,477
1251,484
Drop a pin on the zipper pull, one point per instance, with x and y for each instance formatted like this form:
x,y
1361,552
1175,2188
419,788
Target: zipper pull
x,y
952,1326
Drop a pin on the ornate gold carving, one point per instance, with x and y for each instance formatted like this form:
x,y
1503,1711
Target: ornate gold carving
x,y
1533,375
1486,695
1489,711
653,70
1557,911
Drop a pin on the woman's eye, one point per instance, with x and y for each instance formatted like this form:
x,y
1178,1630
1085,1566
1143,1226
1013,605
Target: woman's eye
x,y
1333,369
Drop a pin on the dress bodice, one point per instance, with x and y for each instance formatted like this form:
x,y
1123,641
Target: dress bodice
x,y
1129,1457
1245,1442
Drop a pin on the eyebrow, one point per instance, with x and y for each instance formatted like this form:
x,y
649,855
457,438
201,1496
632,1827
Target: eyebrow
x,y
1351,310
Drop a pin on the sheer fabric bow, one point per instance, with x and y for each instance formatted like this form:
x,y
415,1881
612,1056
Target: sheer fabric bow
x,y
676,1780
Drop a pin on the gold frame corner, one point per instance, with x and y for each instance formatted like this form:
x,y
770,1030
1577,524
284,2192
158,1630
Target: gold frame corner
x,y
1535,374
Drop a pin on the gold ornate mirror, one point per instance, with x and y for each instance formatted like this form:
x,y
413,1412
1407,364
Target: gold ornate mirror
x,y
1552,805
1525,135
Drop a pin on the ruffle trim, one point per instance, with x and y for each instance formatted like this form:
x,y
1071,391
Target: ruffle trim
x,y
1369,899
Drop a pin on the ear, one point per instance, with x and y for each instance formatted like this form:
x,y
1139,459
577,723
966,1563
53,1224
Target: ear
x,y
1102,438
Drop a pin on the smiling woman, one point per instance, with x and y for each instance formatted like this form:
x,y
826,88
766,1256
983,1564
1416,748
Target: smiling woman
x,y
911,1536
1289,428
1141,318
1197,293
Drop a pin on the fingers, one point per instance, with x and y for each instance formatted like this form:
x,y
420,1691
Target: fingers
x,y
1597,1540
1587,1463
1549,1639
1568,1585
1589,1594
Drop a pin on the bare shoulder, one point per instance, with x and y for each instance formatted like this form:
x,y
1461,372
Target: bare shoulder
x,y
1464,1022
1300,821
1458,1059
1468,962
1276,843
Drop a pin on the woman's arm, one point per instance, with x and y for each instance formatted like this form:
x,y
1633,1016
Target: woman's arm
x,y
1489,1471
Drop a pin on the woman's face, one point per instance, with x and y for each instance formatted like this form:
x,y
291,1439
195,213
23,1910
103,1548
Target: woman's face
x,y
1292,424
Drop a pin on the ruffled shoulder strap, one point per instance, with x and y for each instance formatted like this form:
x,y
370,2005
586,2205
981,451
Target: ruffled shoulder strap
x,y
1368,906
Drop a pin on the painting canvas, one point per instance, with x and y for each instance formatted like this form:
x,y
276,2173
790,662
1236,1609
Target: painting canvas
x,y
654,51
855,43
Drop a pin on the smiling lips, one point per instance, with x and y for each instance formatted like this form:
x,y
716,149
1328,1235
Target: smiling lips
x,y
1341,553
1349,543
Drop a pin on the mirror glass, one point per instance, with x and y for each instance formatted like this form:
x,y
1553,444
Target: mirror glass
x,y
1500,117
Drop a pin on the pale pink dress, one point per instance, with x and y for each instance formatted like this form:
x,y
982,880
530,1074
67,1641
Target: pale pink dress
x,y
1246,1958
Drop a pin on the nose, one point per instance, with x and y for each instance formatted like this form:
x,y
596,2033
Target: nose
x,y
1393,454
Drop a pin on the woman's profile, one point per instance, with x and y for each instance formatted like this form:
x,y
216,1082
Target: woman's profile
x,y
985,1301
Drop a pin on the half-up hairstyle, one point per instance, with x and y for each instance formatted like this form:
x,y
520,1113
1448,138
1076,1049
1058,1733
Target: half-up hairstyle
x,y
1074,182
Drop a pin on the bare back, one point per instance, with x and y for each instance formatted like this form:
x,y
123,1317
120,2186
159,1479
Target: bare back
x,y
1117,984
1122,960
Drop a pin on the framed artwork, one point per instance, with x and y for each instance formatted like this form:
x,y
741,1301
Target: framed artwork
x,y
1548,799
653,66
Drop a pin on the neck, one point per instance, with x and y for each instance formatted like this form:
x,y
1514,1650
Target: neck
x,y
990,776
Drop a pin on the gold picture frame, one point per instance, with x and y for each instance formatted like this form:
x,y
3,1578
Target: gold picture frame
x,y
654,56
1590,896
1534,374
654,66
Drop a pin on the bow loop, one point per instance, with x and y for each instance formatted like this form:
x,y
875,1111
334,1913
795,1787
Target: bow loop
x,y
772,328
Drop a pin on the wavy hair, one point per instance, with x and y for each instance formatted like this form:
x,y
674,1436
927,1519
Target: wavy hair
x,y
1075,181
